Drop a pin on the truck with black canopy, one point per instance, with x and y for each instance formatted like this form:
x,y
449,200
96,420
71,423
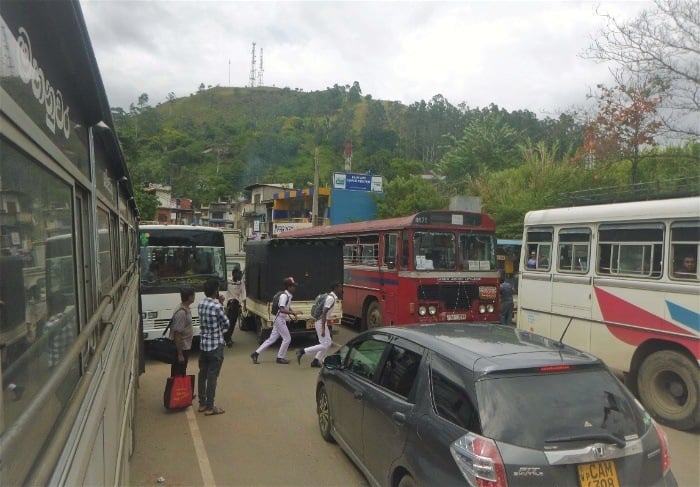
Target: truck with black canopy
x,y
313,263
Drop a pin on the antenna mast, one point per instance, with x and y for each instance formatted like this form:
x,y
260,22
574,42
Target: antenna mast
x,y
260,71
252,67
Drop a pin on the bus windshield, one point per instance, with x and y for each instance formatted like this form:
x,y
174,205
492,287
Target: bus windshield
x,y
171,259
434,250
477,251
181,265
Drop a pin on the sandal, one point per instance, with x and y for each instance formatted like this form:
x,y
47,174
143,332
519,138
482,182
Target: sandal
x,y
201,409
215,410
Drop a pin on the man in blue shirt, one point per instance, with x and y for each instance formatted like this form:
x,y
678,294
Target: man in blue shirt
x,y
212,323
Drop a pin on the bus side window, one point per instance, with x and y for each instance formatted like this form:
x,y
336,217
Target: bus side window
x,y
539,245
685,245
574,246
633,249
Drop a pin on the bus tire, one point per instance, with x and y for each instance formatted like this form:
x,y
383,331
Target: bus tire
x,y
374,315
668,385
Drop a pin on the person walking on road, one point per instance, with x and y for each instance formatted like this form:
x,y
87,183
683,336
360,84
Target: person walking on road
x,y
212,323
507,304
323,331
182,332
235,302
279,325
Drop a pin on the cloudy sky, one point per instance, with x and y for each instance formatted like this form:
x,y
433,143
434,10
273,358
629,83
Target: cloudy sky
x,y
516,54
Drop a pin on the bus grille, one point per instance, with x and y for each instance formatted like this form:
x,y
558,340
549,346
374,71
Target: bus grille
x,y
454,296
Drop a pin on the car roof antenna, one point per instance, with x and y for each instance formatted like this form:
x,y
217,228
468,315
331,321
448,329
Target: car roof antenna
x,y
561,343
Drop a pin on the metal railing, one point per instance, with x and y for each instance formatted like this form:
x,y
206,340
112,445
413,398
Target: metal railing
x,y
95,326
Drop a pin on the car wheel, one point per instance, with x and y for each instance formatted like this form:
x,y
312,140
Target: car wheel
x,y
374,316
669,387
407,481
323,409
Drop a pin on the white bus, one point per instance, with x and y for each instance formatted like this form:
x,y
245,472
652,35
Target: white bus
x,y
621,282
70,343
173,257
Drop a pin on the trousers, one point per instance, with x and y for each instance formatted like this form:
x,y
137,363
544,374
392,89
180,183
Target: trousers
x,y
324,342
209,368
279,329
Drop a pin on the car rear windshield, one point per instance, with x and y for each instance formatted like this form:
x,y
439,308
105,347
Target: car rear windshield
x,y
556,410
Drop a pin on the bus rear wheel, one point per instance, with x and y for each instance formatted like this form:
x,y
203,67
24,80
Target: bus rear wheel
x,y
374,318
668,384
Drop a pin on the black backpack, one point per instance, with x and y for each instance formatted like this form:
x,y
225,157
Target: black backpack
x,y
276,303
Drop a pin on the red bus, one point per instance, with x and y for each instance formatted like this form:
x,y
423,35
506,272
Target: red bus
x,y
428,267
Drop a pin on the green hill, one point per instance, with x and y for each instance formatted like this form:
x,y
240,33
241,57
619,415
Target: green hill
x,y
215,142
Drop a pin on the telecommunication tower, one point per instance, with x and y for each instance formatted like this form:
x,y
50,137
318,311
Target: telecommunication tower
x,y
252,67
260,71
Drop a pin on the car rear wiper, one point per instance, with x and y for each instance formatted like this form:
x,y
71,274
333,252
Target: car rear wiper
x,y
606,437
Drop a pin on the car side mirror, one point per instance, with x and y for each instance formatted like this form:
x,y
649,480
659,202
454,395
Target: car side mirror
x,y
332,361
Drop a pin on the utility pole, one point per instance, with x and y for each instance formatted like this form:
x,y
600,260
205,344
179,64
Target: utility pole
x,y
314,210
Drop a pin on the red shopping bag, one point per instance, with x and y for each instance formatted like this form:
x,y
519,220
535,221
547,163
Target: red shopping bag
x,y
178,392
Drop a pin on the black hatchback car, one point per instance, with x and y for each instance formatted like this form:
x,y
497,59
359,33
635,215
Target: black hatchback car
x,y
486,405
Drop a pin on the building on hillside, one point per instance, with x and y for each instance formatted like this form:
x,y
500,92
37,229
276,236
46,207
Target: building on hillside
x,y
257,213
219,214
171,210
293,209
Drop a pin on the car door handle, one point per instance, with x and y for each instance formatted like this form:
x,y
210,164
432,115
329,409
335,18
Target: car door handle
x,y
358,395
399,418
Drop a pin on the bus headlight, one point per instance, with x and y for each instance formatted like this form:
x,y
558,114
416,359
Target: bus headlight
x,y
489,308
482,309
432,310
422,310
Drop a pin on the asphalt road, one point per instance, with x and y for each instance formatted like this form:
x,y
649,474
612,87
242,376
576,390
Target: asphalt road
x,y
269,434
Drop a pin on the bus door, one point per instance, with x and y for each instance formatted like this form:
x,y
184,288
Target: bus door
x,y
572,286
389,277
535,287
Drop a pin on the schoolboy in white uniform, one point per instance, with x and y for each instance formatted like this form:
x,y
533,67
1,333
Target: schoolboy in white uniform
x,y
323,331
279,326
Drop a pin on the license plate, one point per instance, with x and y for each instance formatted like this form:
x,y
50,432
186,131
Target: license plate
x,y
456,317
599,474
310,324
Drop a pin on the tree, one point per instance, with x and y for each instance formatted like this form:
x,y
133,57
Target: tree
x,y
147,204
660,44
487,142
143,101
627,120
406,196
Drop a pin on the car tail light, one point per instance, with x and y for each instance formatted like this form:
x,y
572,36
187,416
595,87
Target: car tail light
x,y
663,440
555,368
479,461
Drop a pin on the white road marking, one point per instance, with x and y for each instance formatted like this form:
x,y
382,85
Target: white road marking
x,y
200,451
